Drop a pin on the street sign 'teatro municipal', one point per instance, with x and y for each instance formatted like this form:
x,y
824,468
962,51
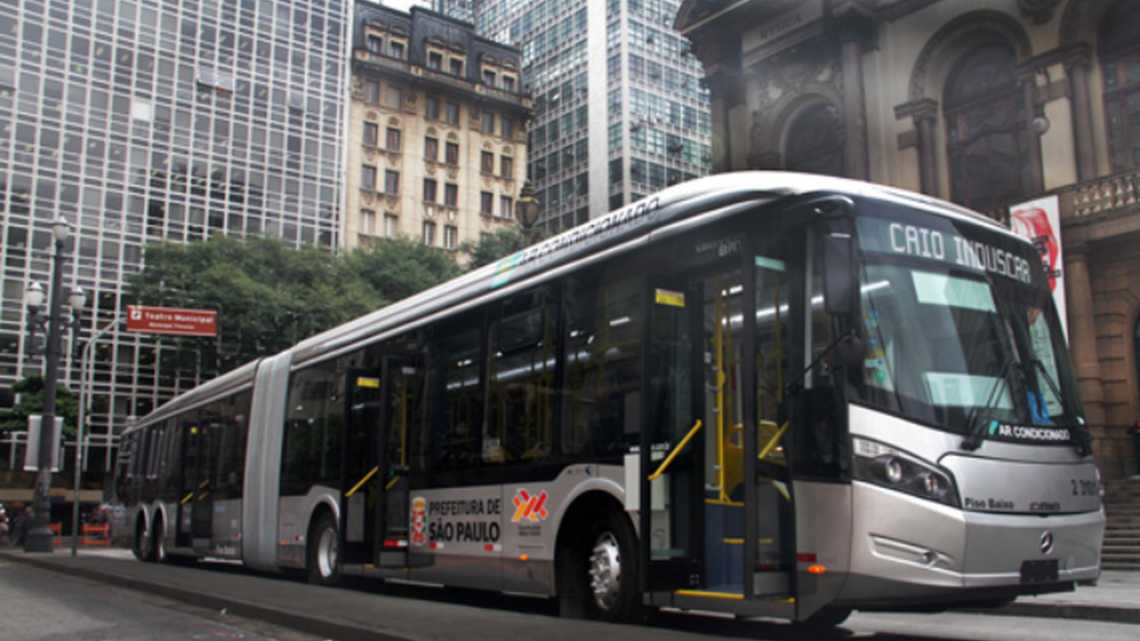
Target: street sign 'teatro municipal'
x,y
167,320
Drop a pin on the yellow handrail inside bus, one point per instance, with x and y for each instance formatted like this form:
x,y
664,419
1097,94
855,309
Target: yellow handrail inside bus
x,y
774,441
362,481
676,450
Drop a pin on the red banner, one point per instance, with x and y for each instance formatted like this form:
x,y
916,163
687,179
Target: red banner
x,y
167,320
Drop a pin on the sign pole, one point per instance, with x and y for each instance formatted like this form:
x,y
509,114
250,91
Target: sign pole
x,y
79,431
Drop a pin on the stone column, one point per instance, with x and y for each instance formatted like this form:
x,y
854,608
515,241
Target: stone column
x,y
1082,337
856,160
1036,169
924,113
1082,119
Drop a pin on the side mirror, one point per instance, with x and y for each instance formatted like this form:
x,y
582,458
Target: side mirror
x,y
840,293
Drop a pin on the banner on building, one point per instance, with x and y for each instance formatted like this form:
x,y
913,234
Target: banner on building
x,y
1040,221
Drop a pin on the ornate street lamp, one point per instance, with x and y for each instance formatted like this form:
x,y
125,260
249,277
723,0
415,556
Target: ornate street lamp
x,y
527,210
39,538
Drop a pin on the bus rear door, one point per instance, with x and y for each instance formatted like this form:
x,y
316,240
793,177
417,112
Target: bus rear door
x,y
374,500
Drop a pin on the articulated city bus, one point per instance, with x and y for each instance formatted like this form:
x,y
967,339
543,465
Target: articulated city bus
x,y
765,394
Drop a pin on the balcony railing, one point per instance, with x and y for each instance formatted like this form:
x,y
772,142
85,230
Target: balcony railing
x,y
1107,196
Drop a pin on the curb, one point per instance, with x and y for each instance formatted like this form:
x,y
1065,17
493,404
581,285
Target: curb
x,y
1054,610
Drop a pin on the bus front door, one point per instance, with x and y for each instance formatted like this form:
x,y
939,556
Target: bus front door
x,y
374,500
720,512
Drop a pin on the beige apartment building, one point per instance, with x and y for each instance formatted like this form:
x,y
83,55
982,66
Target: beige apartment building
x,y
437,130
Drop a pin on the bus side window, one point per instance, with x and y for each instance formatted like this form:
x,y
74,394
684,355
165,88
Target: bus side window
x,y
521,380
602,355
314,422
458,391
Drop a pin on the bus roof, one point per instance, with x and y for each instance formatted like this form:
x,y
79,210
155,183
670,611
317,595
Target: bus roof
x,y
638,219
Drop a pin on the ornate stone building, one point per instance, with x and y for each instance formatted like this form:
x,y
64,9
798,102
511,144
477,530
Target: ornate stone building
x,y
986,103
437,129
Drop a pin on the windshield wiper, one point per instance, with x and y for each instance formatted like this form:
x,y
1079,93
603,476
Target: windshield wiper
x,y
979,420
1081,436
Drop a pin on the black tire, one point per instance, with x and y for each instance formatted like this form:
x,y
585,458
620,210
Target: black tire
x,y
142,547
826,619
157,552
599,572
321,562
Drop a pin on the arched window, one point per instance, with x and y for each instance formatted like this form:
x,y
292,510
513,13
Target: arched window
x,y
987,139
1120,59
814,144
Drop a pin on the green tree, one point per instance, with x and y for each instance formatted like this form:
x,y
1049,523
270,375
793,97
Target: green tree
x,y
397,268
493,246
268,296
31,391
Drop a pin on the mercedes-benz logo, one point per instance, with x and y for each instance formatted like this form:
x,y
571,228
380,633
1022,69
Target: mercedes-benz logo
x,y
1046,542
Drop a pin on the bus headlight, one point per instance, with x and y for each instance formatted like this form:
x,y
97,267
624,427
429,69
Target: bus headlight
x,y
888,467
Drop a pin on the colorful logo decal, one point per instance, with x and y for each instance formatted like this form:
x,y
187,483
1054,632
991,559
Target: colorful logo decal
x,y
419,536
529,507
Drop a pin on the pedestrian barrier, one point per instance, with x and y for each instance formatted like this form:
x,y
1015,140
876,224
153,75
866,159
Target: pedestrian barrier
x,y
95,535
57,530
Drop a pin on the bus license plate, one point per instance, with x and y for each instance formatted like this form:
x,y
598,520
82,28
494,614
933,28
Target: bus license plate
x,y
1039,571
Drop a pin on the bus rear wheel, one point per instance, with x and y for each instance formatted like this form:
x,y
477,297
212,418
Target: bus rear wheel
x,y
601,573
144,546
321,563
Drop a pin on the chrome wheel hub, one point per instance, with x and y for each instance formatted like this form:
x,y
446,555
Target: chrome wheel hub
x,y
605,571
326,552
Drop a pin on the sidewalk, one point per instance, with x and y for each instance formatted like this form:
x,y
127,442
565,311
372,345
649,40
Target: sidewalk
x,y
348,615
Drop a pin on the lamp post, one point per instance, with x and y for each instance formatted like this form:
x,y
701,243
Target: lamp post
x,y
39,538
527,210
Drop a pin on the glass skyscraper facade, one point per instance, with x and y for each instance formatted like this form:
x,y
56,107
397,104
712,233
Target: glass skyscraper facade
x,y
143,120
619,110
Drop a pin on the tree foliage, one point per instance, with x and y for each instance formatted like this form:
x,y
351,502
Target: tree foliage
x,y
31,391
268,296
493,246
397,268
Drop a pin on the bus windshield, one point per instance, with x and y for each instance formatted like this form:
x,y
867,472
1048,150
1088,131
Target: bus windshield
x,y
961,331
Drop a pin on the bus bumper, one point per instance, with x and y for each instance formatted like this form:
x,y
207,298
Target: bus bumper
x,y
906,549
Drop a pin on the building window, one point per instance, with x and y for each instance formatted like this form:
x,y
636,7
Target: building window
x,y
371,134
489,77
814,144
391,182
453,153
368,222
431,108
391,225
1120,60
431,149
393,141
507,127
486,203
488,166
396,49
368,178
429,232
435,60
506,206
452,113
375,44
429,190
450,236
372,92
393,97
488,122
508,83
451,195
456,67
506,166
986,131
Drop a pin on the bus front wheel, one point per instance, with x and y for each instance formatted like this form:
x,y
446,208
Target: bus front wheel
x,y
600,573
144,546
322,552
